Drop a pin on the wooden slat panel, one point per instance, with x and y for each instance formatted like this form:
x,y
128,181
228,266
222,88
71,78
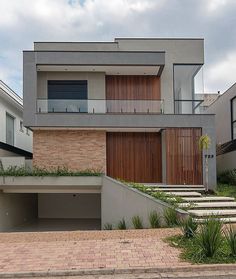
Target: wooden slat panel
x,y
183,157
133,87
134,156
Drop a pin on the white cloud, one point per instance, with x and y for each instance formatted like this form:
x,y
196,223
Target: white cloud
x,y
213,5
222,73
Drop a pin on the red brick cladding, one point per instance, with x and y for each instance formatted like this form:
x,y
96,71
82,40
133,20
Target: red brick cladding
x,y
76,150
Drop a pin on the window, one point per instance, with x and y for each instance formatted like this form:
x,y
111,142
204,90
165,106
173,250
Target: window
x,y
184,88
9,129
21,126
233,118
67,96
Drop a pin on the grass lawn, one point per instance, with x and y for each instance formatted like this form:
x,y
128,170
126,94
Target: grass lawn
x,y
191,252
226,190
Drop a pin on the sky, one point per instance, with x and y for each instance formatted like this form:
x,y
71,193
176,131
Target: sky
x,y
24,21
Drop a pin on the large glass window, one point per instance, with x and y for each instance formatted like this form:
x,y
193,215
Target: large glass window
x,y
67,96
185,100
233,118
9,129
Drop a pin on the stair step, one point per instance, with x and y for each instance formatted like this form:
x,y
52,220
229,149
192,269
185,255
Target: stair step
x,y
210,205
208,199
212,212
172,186
223,220
185,194
177,189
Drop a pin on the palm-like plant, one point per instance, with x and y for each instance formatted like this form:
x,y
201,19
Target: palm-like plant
x,y
204,145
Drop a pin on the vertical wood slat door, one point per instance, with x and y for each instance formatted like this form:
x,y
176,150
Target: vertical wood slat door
x,y
134,156
183,157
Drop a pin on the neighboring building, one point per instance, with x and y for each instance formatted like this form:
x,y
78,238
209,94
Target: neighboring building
x,y
126,108
15,139
225,110
207,100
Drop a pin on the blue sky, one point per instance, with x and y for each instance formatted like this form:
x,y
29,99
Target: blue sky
x,y
24,21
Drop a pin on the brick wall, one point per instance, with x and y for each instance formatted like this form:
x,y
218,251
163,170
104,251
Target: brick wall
x,y
76,150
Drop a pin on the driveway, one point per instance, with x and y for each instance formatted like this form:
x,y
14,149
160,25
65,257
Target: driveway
x,y
77,250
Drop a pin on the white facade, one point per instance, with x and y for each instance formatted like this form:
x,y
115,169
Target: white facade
x,y
11,104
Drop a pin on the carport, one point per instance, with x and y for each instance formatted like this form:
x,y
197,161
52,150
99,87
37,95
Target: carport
x,y
50,203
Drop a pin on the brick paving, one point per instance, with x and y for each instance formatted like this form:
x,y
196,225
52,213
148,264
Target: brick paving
x,y
51,251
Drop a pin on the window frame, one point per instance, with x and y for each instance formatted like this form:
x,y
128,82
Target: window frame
x,y
10,115
232,117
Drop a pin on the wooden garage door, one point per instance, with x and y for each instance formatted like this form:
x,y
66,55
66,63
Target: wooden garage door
x,y
134,156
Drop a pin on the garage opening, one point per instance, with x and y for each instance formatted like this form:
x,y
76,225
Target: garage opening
x,y
50,212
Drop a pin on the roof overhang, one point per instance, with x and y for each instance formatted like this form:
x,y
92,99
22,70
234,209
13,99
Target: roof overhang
x,y
111,62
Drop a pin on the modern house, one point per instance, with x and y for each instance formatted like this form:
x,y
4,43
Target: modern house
x,y
224,109
126,108
15,139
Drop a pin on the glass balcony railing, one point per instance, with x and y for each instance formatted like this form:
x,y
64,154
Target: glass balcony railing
x,y
100,106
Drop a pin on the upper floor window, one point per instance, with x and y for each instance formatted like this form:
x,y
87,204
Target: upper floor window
x,y
233,118
185,100
67,96
10,129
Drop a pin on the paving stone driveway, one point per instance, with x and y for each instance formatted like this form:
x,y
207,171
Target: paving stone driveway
x,y
50,251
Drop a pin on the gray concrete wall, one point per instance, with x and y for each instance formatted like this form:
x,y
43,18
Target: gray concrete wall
x,y
226,161
16,209
177,51
69,206
120,201
222,110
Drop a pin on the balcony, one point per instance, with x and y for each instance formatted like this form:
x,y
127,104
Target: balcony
x,y
100,106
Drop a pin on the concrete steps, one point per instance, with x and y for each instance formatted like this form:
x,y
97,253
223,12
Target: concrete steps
x,y
212,212
210,204
208,199
185,194
178,189
225,220
200,207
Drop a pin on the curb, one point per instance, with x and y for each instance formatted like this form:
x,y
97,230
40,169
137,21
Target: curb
x,y
208,271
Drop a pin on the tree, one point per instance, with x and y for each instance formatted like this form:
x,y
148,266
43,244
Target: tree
x,y
204,145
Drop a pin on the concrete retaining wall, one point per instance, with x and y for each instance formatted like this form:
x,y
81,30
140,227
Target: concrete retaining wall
x,y
120,201
16,209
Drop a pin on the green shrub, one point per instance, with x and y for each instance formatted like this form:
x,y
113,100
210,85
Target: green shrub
x,y
154,219
227,177
108,227
137,222
60,171
209,237
171,217
230,236
121,225
188,227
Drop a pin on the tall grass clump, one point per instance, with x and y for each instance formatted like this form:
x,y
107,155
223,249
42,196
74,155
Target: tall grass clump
x,y
108,227
209,237
230,236
154,219
137,222
121,225
188,227
171,217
